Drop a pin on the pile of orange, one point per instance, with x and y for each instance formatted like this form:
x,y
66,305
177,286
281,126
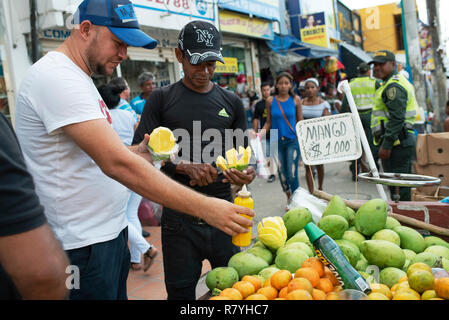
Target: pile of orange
x,y
312,281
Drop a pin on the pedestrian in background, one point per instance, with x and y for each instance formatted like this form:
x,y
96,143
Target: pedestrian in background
x,y
363,89
392,119
124,124
145,81
314,106
122,86
283,112
259,119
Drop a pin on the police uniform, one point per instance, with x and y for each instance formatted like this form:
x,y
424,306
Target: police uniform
x,y
392,122
363,89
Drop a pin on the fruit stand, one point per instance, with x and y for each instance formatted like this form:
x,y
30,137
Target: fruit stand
x,y
403,254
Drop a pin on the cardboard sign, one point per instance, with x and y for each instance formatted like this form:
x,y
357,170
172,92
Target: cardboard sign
x,y
329,139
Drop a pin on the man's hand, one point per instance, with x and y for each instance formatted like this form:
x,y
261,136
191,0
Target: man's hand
x,y
384,154
239,178
200,174
226,216
142,149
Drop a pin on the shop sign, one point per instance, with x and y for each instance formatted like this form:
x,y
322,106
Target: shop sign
x,y
329,7
230,66
345,23
251,27
55,34
173,14
267,9
314,30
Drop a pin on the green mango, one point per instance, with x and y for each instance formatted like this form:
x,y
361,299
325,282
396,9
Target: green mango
x,y
388,235
371,217
391,223
221,278
246,263
296,219
334,226
290,259
336,206
410,239
350,250
390,276
262,253
355,237
435,241
383,254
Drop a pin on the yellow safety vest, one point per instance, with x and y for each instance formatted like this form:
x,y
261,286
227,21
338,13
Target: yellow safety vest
x,y
364,92
380,110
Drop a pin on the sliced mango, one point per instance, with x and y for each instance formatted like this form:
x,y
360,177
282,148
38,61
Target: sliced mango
x,y
221,163
231,157
162,140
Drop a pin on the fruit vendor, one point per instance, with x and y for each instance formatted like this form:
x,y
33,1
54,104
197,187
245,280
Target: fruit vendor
x,y
78,162
194,100
392,119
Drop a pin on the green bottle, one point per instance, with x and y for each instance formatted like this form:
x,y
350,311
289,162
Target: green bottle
x,y
332,257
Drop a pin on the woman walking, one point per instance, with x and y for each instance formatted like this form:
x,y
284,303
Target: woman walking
x,y
314,106
283,112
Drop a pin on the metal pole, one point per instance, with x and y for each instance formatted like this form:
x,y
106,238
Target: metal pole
x,y
347,90
437,75
414,51
34,36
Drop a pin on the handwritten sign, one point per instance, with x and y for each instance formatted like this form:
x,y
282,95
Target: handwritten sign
x,y
329,139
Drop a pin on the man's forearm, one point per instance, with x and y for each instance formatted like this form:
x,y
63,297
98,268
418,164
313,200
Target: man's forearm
x,y
140,176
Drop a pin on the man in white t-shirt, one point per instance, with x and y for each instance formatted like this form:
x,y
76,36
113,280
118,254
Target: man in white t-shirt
x,y
78,162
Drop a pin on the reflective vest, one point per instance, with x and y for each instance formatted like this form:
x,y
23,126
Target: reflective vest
x,y
364,92
380,110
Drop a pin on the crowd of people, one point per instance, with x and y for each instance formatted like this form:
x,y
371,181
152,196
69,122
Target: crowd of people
x,y
77,167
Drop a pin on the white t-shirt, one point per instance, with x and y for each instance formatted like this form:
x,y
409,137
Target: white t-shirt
x,y
82,204
123,123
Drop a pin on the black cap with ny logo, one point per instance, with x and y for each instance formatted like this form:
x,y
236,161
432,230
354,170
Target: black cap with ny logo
x,y
200,41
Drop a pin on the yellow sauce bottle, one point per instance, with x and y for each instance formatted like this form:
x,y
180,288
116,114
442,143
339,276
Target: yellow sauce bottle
x,y
243,199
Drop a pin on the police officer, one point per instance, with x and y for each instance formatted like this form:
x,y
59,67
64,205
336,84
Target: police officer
x,y
392,119
363,89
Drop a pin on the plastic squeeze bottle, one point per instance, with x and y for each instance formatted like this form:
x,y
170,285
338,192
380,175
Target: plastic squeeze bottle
x,y
243,199
332,257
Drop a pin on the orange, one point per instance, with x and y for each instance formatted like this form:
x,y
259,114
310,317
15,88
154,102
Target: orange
x,y
269,292
231,293
220,298
267,283
325,285
337,289
299,295
286,299
314,263
283,293
256,296
255,281
333,296
246,288
280,279
310,274
300,283
318,294
328,274
441,288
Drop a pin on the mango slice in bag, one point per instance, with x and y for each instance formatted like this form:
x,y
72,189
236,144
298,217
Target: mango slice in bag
x,y
162,141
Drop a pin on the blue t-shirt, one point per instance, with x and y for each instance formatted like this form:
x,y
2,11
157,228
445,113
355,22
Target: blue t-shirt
x,y
124,105
138,103
277,119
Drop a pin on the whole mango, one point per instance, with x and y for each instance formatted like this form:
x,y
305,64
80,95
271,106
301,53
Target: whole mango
x,y
435,241
246,263
355,237
290,259
350,250
221,278
334,226
336,206
390,276
439,251
383,253
371,217
410,239
388,235
296,219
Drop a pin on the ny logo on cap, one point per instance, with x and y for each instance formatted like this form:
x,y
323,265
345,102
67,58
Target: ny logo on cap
x,y
205,36
126,13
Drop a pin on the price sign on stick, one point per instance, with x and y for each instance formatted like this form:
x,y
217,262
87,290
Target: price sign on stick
x,y
329,139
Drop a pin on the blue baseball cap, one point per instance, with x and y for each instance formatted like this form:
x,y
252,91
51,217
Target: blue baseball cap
x,y
119,17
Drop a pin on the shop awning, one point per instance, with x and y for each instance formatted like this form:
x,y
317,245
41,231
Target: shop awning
x,y
351,56
290,44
